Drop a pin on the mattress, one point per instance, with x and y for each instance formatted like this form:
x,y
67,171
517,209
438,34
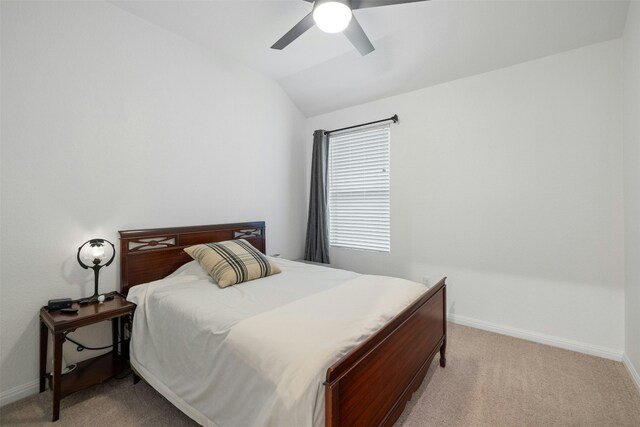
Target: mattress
x,y
255,354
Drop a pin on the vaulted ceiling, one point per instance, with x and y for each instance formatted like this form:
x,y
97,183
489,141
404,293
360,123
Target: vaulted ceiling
x,y
417,44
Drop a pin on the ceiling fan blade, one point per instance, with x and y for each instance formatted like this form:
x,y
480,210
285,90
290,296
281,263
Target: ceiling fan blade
x,y
358,38
361,4
297,30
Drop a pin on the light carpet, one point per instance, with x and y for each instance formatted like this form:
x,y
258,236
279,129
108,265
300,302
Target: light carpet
x,y
490,380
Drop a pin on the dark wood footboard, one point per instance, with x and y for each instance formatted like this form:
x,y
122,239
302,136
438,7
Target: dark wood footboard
x,y
371,385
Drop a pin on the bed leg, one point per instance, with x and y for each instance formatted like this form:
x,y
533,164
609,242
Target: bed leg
x,y
443,348
136,378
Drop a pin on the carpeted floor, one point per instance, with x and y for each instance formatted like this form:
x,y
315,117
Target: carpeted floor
x,y
490,380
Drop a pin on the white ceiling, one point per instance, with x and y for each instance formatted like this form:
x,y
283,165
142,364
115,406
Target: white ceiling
x,y
417,44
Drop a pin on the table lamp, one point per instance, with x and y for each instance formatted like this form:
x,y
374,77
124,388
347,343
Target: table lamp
x,y
94,252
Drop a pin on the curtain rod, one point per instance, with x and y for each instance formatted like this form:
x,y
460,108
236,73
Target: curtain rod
x,y
394,118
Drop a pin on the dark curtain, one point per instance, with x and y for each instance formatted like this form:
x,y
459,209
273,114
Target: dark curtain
x,y
316,247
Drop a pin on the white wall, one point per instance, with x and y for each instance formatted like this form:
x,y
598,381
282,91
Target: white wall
x,y
632,188
510,183
111,123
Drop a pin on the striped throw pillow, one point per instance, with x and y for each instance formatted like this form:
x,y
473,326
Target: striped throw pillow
x,y
232,262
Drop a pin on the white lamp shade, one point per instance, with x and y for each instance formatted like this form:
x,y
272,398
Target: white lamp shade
x,y
94,252
332,16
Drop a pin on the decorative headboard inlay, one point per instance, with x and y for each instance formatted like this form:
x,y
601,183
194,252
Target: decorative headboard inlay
x,y
152,254
145,244
244,234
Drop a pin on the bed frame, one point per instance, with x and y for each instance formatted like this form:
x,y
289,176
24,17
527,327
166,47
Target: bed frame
x,y
369,386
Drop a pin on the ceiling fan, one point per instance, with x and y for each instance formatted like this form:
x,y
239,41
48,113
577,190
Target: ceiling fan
x,y
334,16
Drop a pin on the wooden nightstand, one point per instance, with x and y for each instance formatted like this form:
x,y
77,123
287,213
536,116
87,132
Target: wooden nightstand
x,y
89,372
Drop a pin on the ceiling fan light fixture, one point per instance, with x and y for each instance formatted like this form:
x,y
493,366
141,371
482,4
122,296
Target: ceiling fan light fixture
x,y
331,16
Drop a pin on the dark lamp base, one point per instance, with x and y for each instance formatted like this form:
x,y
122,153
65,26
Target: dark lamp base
x,y
94,298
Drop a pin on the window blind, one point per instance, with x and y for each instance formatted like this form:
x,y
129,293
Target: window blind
x,y
359,189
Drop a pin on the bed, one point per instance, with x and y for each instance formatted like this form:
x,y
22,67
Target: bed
x,y
367,382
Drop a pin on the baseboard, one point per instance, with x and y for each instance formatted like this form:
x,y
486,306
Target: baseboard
x,y
632,370
551,340
17,393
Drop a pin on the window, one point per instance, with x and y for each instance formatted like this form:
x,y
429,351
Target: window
x,y
359,192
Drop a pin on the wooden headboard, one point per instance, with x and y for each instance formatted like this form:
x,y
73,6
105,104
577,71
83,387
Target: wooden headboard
x,y
148,255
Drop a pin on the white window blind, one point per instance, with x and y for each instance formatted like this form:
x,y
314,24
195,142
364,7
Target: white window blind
x,y
359,190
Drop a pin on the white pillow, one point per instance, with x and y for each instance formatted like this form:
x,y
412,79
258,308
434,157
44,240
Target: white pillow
x,y
192,268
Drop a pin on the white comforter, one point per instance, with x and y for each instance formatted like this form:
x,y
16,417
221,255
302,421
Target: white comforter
x,y
255,354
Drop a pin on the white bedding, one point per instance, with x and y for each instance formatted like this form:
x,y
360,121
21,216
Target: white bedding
x,y
255,354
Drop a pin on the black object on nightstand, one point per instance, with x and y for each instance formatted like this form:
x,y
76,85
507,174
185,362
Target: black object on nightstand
x,y
57,304
92,371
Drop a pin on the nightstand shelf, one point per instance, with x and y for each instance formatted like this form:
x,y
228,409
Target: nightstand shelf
x,y
92,371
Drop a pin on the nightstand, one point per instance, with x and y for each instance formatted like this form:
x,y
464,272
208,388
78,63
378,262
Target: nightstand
x,y
88,372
